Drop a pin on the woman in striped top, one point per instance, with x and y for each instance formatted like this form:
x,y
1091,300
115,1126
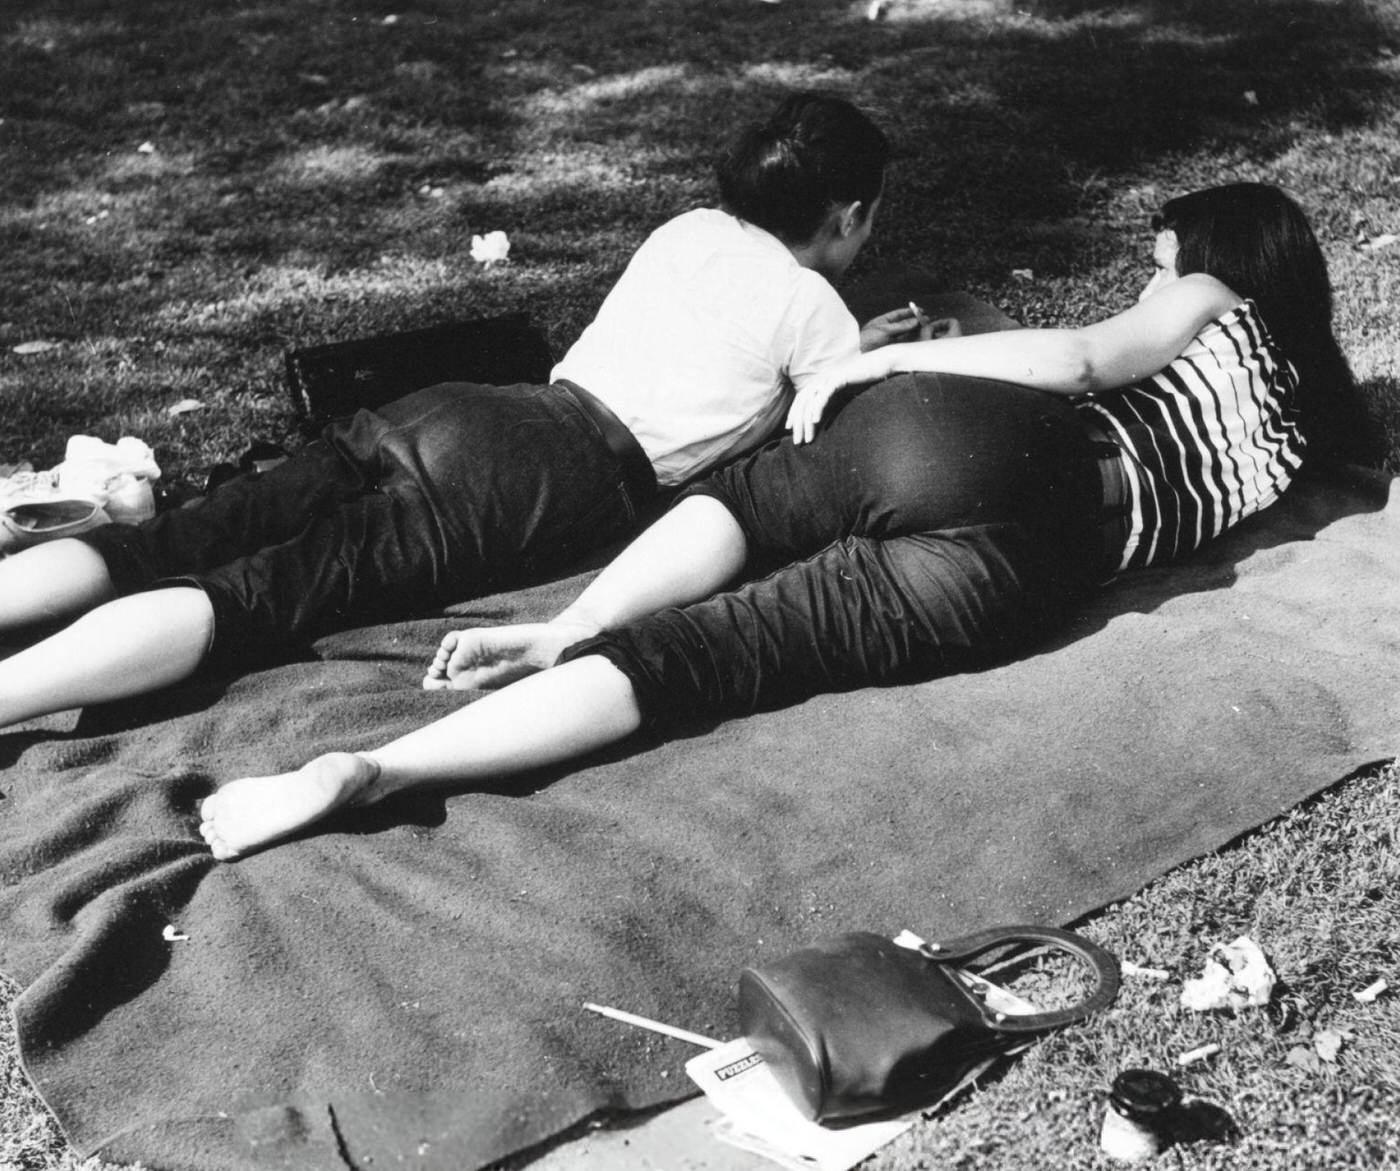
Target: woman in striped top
x,y
942,519
1201,389
1206,442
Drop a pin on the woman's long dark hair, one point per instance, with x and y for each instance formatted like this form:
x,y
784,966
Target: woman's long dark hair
x,y
1257,240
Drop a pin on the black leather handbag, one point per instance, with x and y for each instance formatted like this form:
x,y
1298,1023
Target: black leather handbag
x,y
858,1025
336,379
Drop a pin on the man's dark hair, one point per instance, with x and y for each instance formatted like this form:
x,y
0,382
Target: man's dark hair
x,y
814,151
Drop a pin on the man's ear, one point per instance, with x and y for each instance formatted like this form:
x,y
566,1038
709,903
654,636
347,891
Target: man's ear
x,y
850,217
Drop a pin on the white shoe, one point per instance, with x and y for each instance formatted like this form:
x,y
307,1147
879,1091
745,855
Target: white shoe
x,y
97,483
32,510
47,520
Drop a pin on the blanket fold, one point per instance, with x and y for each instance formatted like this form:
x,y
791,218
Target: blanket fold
x,y
406,988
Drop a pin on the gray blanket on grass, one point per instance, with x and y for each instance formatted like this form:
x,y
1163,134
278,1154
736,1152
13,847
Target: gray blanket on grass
x,y
405,989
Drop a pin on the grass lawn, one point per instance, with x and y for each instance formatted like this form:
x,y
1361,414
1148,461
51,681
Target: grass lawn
x,y
189,189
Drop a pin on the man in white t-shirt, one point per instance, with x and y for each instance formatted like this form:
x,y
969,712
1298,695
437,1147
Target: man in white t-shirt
x,y
460,489
722,323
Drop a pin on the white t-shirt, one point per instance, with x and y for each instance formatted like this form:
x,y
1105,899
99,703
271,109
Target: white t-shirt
x,y
701,342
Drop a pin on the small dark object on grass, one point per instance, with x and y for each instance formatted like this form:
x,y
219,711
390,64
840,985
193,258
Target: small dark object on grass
x,y
1147,1114
262,456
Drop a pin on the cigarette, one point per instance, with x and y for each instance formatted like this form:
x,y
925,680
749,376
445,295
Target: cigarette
x,y
917,312
655,1026
1132,969
1369,993
1191,1056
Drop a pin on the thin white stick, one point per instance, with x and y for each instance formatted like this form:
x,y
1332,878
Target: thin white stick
x,y
655,1026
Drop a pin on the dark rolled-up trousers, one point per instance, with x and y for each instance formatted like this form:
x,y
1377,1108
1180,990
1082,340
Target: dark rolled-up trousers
x,y
935,525
445,494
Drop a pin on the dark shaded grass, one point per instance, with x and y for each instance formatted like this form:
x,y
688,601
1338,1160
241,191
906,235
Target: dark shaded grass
x,y
307,136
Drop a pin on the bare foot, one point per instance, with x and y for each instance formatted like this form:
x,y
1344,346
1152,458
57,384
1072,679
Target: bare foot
x,y
496,655
252,812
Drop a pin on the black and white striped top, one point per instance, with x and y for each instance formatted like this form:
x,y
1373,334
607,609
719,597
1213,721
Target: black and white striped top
x,y
1206,442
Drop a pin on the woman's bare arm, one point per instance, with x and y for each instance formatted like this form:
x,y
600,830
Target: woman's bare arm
x,y
1115,352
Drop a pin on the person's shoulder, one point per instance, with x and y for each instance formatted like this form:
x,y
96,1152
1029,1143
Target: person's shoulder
x,y
1205,292
814,288
1181,307
689,234
698,233
817,304
698,220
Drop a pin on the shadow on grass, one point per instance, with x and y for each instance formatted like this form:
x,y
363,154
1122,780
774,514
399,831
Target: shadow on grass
x,y
315,139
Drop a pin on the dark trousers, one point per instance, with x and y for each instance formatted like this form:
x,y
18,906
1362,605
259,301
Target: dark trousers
x,y
936,524
448,493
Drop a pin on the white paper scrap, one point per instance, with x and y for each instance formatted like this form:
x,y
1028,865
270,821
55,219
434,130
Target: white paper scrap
x,y
760,1117
1243,980
492,248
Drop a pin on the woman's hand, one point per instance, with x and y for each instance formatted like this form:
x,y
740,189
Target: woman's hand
x,y
810,402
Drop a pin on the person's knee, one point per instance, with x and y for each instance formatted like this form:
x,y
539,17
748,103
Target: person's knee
x,y
187,615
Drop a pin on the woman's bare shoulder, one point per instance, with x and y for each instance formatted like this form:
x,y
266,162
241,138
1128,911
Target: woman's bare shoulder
x,y
1207,292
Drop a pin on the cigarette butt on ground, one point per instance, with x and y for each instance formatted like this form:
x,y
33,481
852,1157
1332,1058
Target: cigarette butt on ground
x,y
1191,1056
1132,969
1370,992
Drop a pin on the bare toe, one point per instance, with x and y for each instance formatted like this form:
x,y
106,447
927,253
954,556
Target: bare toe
x,y
437,676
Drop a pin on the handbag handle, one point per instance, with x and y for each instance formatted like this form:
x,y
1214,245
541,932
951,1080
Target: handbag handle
x,y
1104,964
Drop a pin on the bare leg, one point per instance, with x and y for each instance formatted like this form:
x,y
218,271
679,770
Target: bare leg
x,y
50,582
545,719
691,552
127,647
